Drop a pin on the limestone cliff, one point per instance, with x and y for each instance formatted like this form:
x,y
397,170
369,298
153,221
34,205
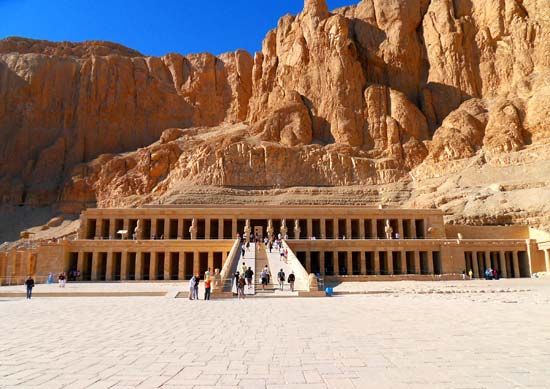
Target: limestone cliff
x,y
402,97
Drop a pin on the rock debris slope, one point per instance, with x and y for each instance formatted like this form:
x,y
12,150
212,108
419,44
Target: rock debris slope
x,y
438,103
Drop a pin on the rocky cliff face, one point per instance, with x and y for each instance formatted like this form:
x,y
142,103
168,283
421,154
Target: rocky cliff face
x,y
409,93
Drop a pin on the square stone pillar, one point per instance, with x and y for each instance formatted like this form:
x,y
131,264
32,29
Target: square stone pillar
x,y
309,232
322,263
181,266
431,262
211,261
153,266
517,273
139,265
234,228
404,262
308,261
180,228
547,259
363,262
167,265
348,228
167,228
80,263
373,230
126,227
416,258
389,258
488,259
413,229
400,228
376,262
502,264
154,228
362,229
98,224
95,266
221,231
335,228
124,266
475,265
196,263
336,263
109,273
112,229
323,229
207,228
349,261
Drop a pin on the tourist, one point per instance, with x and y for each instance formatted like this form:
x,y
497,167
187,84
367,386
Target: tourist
x,y
281,253
291,279
248,275
243,250
263,279
244,268
248,246
281,278
29,284
464,274
267,273
235,286
471,274
207,288
62,279
196,289
50,278
240,287
495,274
270,245
192,283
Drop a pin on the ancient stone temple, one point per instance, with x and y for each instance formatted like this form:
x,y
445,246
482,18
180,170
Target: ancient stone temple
x,y
336,243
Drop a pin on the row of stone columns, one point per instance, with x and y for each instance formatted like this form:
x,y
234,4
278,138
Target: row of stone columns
x,y
293,231
502,263
153,264
376,261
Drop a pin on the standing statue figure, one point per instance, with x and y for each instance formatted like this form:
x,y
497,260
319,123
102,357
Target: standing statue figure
x,y
137,230
193,229
388,230
270,229
297,229
247,231
284,230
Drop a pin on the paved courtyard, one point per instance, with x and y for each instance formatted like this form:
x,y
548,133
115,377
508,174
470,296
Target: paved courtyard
x,y
443,335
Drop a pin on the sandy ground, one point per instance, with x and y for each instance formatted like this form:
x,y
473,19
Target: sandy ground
x,y
498,338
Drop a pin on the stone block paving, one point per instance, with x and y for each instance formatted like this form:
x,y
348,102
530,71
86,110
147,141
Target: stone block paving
x,y
496,340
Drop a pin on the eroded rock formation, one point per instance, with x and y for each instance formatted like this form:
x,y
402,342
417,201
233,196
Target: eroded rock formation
x,y
383,92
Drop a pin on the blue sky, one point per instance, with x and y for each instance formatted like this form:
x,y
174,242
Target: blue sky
x,y
152,27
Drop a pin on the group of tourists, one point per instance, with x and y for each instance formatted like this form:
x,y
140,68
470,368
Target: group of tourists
x,y
488,274
61,278
195,281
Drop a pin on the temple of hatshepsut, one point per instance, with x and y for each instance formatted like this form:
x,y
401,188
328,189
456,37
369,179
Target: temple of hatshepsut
x,y
338,243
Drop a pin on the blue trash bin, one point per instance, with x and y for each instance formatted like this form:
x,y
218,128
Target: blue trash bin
x,y
329,292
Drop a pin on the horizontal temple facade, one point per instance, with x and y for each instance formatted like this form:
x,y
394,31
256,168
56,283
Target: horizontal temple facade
x,y
340,242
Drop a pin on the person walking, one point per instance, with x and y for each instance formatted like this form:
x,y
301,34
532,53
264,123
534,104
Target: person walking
x,y
249,274
240,288
281,278
192,283
244,268
263,279
291,279
50,278
62,279
235,287
267,273
196,289
29,283
471,274
207,286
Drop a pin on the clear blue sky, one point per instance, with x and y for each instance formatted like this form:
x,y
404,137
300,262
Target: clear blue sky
x,y
151,27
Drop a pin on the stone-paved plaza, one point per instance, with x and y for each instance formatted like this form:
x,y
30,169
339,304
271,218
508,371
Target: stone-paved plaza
x,y
474,334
